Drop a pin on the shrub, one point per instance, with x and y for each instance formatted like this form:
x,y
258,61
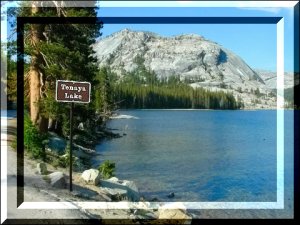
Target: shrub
x,y
64,161
107,169
56,163
33,140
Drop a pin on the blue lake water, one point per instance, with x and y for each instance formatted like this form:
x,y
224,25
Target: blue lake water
x,y
200,155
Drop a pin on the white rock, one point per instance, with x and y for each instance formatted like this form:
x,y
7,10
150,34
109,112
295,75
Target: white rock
x,y
91,176
133,192
41,168
128,186
80,126
173,211
174,214
173,205
57,179
113,179
116,194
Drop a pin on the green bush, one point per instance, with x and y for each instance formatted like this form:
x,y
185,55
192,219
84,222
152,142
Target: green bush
x,y
33,140
55,163
107,169
64,161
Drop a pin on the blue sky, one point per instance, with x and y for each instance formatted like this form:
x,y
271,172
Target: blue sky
x,y
255,43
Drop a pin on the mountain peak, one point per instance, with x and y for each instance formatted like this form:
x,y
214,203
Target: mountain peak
x,y
189,36
190,56
186,55
128,31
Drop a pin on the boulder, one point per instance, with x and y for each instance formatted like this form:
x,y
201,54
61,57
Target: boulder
x,y
42,168
133,192
125,185
144,214
116,194
57,179
80,126
174,211
91,176
113,179
178,214
150,215
171,195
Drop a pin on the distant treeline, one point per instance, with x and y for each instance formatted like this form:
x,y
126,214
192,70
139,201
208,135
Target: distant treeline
x,y
165,96
141,89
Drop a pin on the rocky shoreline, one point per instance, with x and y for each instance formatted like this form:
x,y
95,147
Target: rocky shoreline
x,y
89,187
44,181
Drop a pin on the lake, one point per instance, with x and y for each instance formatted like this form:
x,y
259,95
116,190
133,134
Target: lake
x,y
9,114
200,155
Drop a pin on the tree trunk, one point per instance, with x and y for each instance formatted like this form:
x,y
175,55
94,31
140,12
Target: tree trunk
x,y
35,74
34,91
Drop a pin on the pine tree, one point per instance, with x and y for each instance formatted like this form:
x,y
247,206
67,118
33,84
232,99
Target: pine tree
x,y
171,93
9,76
57,51
3,75
11,79
104,93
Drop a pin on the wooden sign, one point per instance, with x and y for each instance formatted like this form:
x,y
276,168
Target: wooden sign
x,y
73,91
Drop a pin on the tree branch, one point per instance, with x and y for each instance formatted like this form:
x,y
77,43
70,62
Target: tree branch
x,y
42,84
45,59
62,66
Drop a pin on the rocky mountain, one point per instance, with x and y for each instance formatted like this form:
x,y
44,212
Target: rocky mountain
x,y
270,78
201,62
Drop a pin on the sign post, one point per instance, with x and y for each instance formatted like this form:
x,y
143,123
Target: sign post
x,y
72,91
71,143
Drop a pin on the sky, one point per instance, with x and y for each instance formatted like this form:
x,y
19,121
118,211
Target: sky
x,y
255,43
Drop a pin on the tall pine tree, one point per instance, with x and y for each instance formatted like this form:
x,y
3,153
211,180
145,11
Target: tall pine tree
x,y
57,51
